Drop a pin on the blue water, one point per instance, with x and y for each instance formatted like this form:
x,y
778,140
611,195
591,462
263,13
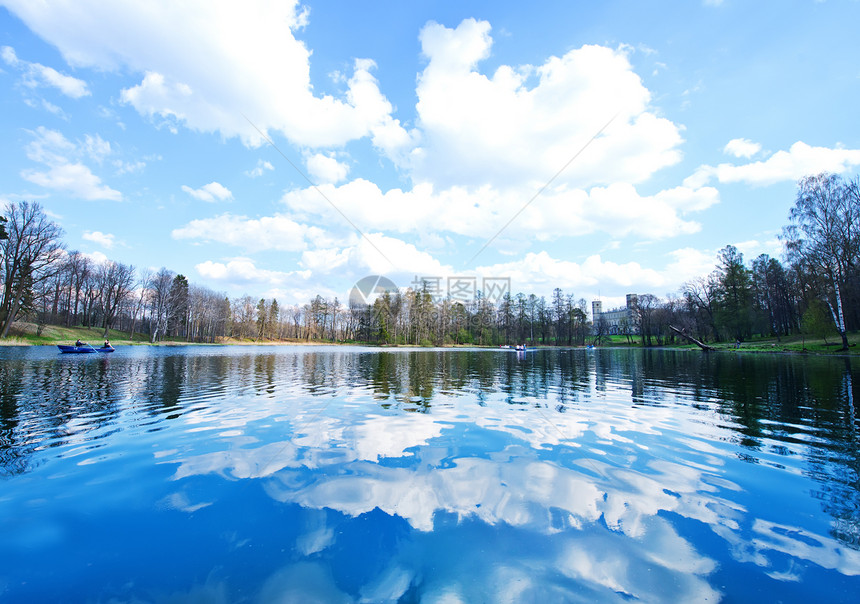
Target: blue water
x,y
335,474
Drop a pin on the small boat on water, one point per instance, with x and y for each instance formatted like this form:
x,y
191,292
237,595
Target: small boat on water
x,y
525,349
84,349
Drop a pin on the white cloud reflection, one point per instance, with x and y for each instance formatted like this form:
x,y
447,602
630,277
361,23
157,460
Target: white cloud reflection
x,y
588,481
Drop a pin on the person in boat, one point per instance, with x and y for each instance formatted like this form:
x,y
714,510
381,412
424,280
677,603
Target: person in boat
x,y
107,344
78,343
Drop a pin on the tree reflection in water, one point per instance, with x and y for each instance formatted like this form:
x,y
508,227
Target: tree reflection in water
x,y
590,471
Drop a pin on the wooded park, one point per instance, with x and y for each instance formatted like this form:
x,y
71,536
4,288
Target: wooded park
x,y
813,291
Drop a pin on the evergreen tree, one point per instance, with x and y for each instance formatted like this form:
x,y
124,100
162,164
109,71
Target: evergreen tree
x,y
177,306
735,295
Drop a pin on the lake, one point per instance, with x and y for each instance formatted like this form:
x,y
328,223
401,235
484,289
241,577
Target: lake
x,y
345,474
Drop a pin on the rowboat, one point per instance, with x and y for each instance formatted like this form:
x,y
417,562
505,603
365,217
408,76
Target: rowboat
x,y
85,349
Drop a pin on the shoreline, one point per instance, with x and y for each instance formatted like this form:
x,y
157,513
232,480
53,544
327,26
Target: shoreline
x,y
17,343
28,334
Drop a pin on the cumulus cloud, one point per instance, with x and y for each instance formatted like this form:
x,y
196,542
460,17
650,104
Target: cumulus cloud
x,y
326,169
618,209
105,240
210,193
400,260
481,146
523,123
742,147
485,145
241,271
689,263
800,160
243,274
36,74
97,257
540,272
251,234
375,253
263,69
65,173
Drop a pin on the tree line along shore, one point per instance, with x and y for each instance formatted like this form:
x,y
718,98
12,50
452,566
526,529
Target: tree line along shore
x,y
808,300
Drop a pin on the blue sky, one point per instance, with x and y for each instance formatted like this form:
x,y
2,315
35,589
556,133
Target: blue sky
x,y
428,129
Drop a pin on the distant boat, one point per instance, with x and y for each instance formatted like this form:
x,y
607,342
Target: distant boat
x,y
525,349
85,349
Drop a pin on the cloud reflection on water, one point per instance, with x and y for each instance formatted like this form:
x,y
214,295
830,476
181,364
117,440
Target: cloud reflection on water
x,y
518,484
571,478
600,478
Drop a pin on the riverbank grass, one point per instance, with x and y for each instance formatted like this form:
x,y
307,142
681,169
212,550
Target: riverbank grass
x,y
30,334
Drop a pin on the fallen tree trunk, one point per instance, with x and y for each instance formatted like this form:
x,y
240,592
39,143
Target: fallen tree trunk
x,y
683,334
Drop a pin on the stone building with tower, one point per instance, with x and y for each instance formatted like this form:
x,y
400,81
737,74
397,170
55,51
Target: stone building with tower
x,y
617,321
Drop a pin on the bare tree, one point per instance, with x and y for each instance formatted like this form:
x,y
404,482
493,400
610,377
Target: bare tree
x,y
647,305
159,299
208,313
601,330
824,235
244,316
138,307
78,268
115,282
31,253
702,295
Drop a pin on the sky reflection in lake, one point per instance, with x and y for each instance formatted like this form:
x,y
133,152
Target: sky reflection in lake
x,y
345,474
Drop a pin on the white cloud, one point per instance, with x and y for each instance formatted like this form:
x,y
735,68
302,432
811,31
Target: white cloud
x,y
800,160
96,147
96,257
123,167
267,233
541,273
76,179
52,149
742,147
482,146
617,209
326,169
105,240
51,108
263,71
241,271
474,130
524,123
242,274
36,74
49,146
691,263
259,169
210,193
378,254
401,261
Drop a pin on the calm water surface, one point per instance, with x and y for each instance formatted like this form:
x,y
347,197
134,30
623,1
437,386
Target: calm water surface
x,y
302,474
